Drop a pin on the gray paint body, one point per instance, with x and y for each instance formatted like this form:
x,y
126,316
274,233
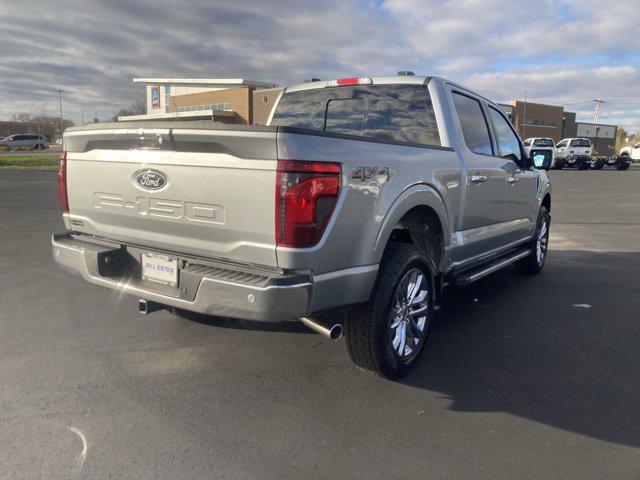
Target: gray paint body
x,y
219,200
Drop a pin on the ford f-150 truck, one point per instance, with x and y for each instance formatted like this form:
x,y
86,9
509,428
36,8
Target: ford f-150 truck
x,y
358,202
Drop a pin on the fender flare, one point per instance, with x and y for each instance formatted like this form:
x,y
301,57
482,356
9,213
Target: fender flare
x,y
420,195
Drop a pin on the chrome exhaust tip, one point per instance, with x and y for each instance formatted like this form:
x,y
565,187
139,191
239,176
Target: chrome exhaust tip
x,y
146,307
332,332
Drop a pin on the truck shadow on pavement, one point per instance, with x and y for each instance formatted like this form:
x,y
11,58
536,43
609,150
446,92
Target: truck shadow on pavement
x,y
236,324
561,348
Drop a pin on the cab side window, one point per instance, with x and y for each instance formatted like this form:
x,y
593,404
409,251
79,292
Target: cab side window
x,y
508,143
474,126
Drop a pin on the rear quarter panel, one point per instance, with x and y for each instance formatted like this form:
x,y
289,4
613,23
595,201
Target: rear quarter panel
x,y
369,208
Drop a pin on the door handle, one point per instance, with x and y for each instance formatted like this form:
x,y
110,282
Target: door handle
x,y
511,179
476,179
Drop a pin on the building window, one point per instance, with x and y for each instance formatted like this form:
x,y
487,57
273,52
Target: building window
x,y
196,108
537,123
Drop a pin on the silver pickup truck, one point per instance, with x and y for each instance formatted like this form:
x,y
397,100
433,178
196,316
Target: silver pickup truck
x,y
359,202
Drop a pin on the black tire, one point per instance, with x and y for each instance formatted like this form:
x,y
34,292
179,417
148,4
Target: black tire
x,y
584,166
369,328
625,165
531,264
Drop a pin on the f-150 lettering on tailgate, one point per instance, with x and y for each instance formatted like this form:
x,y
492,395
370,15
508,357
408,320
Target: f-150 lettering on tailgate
x,y
160,207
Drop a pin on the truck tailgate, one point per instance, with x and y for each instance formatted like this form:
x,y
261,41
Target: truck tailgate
x,y
200,191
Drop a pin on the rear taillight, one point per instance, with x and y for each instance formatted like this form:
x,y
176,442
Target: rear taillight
x,y
63,198
306,194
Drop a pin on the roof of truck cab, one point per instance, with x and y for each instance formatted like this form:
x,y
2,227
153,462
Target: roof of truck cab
x,y
396,79
404,79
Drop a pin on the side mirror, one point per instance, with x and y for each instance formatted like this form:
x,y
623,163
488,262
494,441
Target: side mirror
x,y
541,159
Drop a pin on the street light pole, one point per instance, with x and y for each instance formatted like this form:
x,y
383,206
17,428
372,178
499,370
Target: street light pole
x,y
60,102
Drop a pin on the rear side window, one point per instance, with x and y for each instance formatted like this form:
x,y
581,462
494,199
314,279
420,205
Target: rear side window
x,y
474,126
402,113
580,143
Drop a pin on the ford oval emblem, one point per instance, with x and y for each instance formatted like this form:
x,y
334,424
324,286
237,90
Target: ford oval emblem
x,y
151,179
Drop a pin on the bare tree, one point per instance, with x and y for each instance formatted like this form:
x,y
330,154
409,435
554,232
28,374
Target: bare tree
x,y
23,117
40,123
137,107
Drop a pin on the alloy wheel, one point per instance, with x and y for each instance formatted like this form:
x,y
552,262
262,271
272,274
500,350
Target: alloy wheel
x,y
542,242
408,319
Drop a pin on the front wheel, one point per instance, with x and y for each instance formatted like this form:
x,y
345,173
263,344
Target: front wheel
x,y
388,334
534,262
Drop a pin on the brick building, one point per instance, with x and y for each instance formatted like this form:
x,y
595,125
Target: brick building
x,y
226,100
537,120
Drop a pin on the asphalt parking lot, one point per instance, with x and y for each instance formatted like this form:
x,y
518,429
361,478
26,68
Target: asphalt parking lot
x,y
524,377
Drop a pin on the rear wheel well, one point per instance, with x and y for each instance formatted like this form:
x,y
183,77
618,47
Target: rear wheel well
x,y
421,226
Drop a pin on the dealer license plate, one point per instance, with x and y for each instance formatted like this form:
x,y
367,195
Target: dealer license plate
x,y
160,269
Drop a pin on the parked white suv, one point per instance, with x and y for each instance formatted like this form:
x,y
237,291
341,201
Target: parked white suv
x,y
573,152
25,141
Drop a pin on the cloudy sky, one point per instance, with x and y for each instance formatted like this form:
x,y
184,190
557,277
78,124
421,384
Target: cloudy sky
x,y
560,52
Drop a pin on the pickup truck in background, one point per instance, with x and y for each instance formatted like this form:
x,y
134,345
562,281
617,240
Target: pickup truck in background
x,y
352,210
573,152
541,150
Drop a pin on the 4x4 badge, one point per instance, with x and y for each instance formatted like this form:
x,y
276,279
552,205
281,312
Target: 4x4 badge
x,y
367,173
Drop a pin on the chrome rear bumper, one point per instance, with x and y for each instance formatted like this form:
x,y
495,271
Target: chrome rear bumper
x,y
207,288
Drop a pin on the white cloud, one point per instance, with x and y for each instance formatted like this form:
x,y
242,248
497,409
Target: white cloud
x,y
557,51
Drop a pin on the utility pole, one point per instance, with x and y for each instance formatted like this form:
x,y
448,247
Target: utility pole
x,y
596,113
81,117
524,120
60,102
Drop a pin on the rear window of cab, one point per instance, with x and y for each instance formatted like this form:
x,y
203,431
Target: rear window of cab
x,y
401,113
580,143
